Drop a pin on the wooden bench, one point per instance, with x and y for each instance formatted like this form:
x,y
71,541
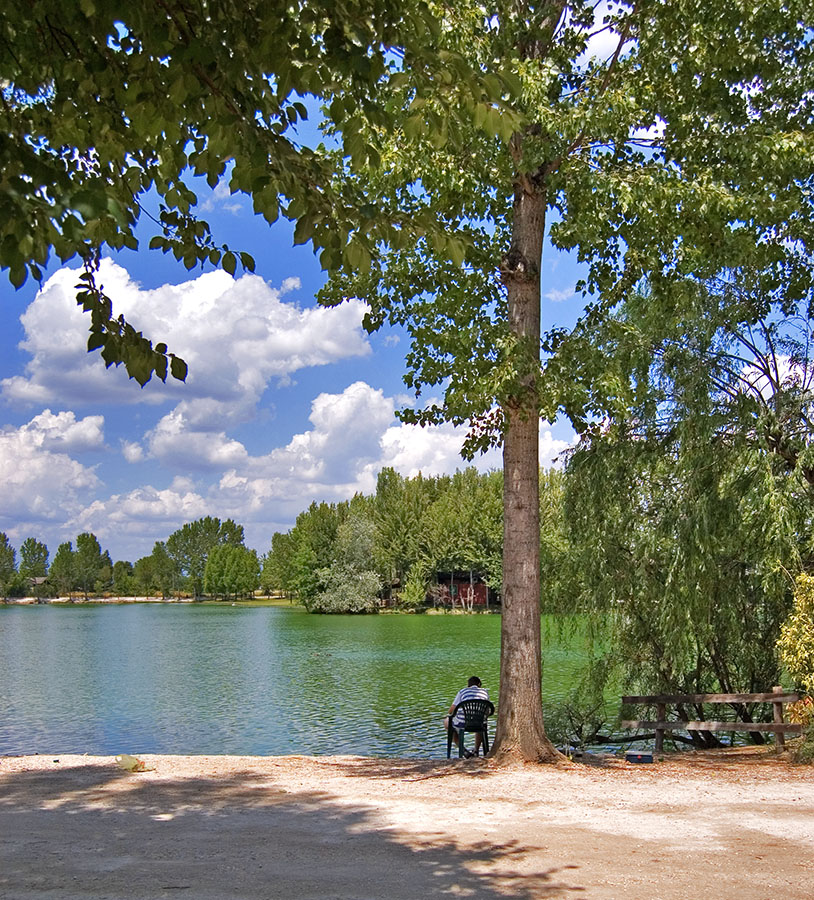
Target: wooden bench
x,y
777,698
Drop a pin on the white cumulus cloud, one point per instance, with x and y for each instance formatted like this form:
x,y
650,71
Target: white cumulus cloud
x,y
237,336
132,451
39,481
63,431
353,434
136,519
178,442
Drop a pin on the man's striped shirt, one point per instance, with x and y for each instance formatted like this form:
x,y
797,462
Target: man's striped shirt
x,y
468,693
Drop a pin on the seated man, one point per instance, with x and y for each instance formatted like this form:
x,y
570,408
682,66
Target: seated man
x,y
473,691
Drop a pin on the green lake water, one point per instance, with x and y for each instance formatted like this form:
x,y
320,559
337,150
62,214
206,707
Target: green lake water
x,y
215,679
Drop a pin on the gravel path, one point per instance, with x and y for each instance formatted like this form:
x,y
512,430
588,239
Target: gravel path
x,y
725,825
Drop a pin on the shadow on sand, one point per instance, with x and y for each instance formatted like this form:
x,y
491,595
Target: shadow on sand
x,y
92,831
416,769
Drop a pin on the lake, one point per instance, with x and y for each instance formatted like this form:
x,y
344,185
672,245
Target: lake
x,y
253,680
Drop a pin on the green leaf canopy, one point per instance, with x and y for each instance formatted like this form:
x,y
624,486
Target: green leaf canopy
x,y
108,109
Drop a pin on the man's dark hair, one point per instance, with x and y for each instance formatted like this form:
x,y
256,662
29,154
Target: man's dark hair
x,y
474,681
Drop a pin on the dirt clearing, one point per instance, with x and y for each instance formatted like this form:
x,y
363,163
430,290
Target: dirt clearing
x,y
725,825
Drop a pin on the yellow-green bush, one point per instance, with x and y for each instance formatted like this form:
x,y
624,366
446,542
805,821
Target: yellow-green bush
x,y
796,642
796,648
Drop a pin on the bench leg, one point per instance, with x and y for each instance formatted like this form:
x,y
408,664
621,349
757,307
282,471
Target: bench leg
x,y
778,718
661,714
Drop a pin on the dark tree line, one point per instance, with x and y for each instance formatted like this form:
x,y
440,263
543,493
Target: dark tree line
x,y
191,561
345,557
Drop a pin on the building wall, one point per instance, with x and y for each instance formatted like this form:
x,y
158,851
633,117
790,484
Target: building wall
x,y
460,591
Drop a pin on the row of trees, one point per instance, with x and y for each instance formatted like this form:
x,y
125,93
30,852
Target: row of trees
x,y
87,568
343,557
16,577
202,556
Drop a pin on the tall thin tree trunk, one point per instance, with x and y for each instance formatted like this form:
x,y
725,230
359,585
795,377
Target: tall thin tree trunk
x,y
520,733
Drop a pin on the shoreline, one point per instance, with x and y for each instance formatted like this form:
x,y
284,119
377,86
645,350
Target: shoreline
x,y
277,602
346,827
73,601
724,762
122,601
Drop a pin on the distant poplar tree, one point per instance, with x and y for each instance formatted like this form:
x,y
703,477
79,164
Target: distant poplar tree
x,y
123,578
232,570
33,558
8,558
90,564
189,547
63,569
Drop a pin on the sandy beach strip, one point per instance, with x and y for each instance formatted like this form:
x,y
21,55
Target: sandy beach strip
x,y
736,824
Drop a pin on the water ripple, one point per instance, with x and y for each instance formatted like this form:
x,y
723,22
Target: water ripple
x,y
218,679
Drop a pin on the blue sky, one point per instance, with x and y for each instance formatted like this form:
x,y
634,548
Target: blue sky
x,y
285,402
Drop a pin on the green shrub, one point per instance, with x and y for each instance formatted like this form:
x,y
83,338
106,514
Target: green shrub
x,y
805,751
802,713
796,649
414,593
346,591
796,641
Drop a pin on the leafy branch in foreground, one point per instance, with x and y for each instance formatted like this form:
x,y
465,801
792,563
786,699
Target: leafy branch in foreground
x,y
118,340
107,111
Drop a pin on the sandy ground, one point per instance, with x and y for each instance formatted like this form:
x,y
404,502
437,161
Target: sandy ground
x,y
724,825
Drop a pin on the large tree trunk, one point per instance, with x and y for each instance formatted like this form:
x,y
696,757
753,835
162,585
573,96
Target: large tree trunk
x,y
520,733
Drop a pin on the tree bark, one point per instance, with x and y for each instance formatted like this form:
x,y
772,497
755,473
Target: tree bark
x,y
520,733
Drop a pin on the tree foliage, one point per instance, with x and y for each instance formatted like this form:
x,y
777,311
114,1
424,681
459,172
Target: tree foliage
x,y
108,111
796,648
63,570
349,584
8,562
190,546
462,528
683,152
33,558
796,641
276,573
92,568
657,161
412,529
123,582
689,505
687,555
156,574
399,509
232,570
